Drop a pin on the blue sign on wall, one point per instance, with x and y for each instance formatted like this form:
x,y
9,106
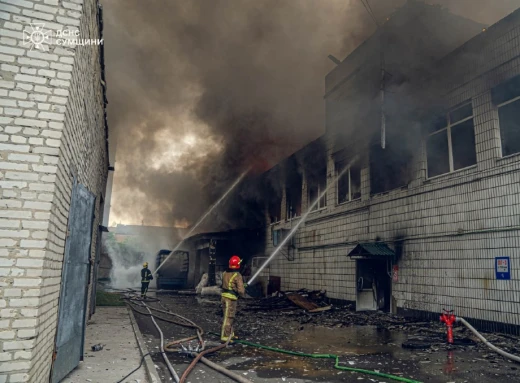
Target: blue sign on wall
x,y
503,268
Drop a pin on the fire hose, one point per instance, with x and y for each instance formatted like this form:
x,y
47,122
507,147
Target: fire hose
x,y
199,356
166,360
325,356
486,342
168,347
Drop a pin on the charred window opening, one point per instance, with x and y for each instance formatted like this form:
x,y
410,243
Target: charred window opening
x,y
390,168
349,183
451,143
317,186
294,195
273,196
275,208
507,98
315,165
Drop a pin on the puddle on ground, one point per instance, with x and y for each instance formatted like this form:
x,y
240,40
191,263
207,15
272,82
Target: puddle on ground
x,y
355,340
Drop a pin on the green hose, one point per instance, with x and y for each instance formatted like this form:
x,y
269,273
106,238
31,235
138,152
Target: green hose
x,y
325,356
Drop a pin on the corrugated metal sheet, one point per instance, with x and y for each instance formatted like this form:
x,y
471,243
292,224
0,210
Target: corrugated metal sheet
x,y
373,249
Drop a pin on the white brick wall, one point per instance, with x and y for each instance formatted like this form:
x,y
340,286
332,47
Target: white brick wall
x,y
453,226
51,127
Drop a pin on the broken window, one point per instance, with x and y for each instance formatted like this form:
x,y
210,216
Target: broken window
x,y
390,168
507,98
293,190
294,199
451,143
275,209
349,183
317,186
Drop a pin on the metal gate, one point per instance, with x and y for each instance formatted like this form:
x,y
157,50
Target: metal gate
x,y
74,284
95,272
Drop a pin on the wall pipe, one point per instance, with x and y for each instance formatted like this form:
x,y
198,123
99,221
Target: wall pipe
x,y
486,342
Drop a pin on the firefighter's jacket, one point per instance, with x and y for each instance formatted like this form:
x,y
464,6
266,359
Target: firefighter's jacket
x,y
146,275
232,285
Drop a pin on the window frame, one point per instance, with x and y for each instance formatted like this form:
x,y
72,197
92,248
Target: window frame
x,y
318,207
279,218
347,173
505,103
448,129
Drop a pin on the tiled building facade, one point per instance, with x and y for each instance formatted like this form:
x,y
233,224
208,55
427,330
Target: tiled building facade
x,y
53,137
443,195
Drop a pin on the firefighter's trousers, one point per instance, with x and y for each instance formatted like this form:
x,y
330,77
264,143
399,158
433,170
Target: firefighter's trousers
x,y
144,288
229,306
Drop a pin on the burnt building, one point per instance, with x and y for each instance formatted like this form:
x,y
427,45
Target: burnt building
x,y
417,174
210,253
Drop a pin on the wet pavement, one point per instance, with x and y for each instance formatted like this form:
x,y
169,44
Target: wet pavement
x,y
366,341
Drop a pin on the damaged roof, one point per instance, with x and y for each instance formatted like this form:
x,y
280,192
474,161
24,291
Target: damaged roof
x,y
372,249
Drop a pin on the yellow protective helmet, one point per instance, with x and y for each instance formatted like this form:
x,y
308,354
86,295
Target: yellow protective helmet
x,y
145,264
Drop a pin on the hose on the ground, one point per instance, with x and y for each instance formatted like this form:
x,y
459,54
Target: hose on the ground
x,y
138,367
223,370
326,356
168,347
486,342
197,358
165,357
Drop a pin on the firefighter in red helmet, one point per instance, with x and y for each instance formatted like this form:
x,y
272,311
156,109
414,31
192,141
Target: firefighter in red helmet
x,y
232,287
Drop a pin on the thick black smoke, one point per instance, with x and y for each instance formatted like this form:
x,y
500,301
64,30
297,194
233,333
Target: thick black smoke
x,y
201,90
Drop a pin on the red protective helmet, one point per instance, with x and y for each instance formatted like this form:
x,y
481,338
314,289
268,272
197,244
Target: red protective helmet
x,y
234,262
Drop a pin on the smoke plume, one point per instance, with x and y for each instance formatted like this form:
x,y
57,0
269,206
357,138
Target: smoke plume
x,y
201,90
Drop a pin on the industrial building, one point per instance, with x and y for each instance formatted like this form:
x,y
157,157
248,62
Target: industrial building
x,y
208,253
53,172
420,162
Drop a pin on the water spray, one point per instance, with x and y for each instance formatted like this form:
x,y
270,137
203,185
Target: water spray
x,y
300,222
208,212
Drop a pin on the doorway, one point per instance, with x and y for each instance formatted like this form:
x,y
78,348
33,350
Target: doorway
x,y
373,285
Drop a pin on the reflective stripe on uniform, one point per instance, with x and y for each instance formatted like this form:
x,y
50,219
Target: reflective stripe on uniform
x,y
229,296
230,287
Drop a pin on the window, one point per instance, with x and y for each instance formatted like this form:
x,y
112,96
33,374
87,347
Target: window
x,y
293,190
451,144
349,184
507,98
317,186
390,168
509,118
275,208
294,200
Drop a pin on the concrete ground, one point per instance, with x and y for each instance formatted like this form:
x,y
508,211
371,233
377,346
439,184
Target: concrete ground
x,y
366,341
111,327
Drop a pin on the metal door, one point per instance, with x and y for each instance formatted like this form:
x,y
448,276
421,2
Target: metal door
x,y
74,284
95,273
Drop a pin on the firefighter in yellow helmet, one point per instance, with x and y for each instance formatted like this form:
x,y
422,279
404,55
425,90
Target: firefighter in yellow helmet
x,y
146,277
232,287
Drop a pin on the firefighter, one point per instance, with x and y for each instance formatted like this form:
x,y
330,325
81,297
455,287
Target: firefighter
x,y
146,277
232,287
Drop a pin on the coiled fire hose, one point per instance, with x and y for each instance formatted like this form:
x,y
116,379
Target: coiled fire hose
x,y
326,356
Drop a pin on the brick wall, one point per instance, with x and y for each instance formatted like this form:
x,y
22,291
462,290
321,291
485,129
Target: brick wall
x,y
453,226
52,128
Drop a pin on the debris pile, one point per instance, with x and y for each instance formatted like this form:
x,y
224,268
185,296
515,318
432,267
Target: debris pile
x,y
311,301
